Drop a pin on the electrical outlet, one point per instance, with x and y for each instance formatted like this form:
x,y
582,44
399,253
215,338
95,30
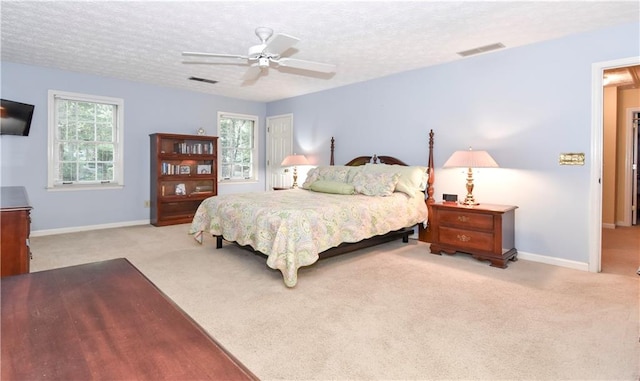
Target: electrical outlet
x,y
147,204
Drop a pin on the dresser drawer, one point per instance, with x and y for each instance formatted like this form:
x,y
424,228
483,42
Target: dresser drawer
x,y
466,239
462,219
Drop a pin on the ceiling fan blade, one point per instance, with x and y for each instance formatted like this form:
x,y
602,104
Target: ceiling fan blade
x,y
280,43
252,73
215,63
216,55
307,65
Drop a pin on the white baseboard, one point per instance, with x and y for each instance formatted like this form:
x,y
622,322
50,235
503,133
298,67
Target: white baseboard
x,y
582,266
75,229
554,261
608,226
521,255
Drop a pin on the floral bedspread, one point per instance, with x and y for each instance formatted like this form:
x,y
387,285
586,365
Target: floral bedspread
x,y
292,226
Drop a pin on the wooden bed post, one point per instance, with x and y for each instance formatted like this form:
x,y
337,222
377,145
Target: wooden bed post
x,y
333,147
424,235
432,176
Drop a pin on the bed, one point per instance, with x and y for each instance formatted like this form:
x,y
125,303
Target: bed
x,y
338,209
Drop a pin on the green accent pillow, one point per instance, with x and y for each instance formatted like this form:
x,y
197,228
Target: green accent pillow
x,y
335,187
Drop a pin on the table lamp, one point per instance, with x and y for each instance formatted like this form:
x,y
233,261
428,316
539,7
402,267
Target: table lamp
x,y
294,160
470,159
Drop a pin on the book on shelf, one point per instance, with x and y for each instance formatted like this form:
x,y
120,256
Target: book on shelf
x,y
193,148
170,169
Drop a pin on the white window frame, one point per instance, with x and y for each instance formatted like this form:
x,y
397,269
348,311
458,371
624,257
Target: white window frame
x,y
254,150
53,146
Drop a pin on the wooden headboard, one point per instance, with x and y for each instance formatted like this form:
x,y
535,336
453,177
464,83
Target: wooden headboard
x,y
362,160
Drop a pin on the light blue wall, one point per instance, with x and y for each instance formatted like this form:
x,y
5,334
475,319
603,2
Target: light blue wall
x,y
524,105
148,109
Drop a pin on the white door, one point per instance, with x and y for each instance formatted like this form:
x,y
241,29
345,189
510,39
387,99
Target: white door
x,y
279,146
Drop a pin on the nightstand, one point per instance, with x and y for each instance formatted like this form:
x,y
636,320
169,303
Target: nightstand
x,y
282,188
485,231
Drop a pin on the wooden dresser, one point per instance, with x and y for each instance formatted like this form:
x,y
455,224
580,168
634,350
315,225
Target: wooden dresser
x,y
15,226
103,321
485,231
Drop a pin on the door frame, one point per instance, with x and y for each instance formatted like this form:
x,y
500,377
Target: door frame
x,y
597,130
630,179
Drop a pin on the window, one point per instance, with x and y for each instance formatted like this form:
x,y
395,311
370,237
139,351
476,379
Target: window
x,y
85,141
238,155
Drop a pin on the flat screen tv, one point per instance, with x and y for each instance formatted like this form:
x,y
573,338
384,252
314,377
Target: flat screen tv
x,y
15,117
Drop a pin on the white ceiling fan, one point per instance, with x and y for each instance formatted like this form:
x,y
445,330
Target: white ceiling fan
x,y
261,57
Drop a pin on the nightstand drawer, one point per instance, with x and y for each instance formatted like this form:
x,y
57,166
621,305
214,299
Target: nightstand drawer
x,y
466,239
462,219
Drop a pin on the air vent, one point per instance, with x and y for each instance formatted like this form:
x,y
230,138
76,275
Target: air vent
x,y
202,80
482,49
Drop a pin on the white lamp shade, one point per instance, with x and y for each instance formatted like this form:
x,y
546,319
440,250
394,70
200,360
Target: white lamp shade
x,y
292,160
470,159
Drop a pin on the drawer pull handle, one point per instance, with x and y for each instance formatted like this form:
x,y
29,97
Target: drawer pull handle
x,y
463,238
463,218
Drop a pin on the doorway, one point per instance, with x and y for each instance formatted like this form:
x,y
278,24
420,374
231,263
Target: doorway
x,y
620,162
597,131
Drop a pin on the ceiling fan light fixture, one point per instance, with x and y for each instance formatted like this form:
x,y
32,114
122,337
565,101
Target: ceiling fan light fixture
x,y
263,62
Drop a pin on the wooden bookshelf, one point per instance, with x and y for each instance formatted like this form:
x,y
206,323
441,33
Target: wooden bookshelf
x,y
183,173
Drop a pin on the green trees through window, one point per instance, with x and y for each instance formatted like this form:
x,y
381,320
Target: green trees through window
x,y
238,152
85,140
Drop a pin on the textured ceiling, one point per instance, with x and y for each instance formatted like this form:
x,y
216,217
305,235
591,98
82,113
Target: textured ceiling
x,y
142,41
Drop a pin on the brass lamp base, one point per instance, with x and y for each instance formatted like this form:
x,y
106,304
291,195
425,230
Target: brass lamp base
x,y
469,200
295,177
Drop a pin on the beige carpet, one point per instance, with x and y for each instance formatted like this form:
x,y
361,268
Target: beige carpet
x,y
621,250
390,312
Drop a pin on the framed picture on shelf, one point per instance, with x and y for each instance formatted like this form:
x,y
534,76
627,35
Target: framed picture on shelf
x,y
181,190
204,169
185,170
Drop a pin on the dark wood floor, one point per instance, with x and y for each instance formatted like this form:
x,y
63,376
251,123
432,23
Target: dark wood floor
x,y
621,250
